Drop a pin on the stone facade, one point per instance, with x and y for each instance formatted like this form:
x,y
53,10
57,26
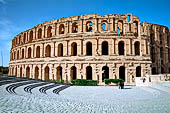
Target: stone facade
x,y
91,47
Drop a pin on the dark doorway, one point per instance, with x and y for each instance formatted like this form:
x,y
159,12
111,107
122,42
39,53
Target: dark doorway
x,y
59,73
48,51
105,73
74,49
162,70
29,52
73,73
38,52
89,49
89,73
46,73
122,72
21,72
154,71
60,50
27,72
137,48
36,72
121,48
105,48
138,71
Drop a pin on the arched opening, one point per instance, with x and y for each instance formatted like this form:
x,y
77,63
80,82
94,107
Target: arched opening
x,y
31,36
136,28
162,70
129,18
138,71
120,27
154,71
20,71
105,48
122,73
73,73
103,26
39,33
169,69
137,48
46,73
38,52
18,55
24,37
153,54
49,33
89,49
74,27
74,49
48,51
59,73
29,52
28,72
61,29
89,26
105,73
22,53
121,48
36,72
60,50
16,71
89,73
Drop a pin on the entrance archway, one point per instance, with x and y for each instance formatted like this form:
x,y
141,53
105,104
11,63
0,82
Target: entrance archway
x,y
48,51
89,49
73,73
89,73
38,52
105,48
138,71
74,49
28,72
36,72
105,73
137,48
60,49
21,72
46,73
59,73
122,72
154,70
121,48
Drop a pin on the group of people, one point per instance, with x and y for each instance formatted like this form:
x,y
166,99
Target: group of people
x,y
121,85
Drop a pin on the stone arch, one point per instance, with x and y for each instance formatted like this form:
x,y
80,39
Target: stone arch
x,y
89,26
22,53
89,49
120,26
136,28
105,48
89,73
31,36
104,25
73,73
137,48
36,72
39,33
122,73
162,70
49,33
74,49
59,73
18,55
121,48
74,27
138,71
60,49
29,52
105,72
46,73
38,52
61,29
154,71
48,51
24,37
20,71
28,72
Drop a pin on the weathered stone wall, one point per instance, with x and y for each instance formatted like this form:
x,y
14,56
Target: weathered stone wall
x,y
118,44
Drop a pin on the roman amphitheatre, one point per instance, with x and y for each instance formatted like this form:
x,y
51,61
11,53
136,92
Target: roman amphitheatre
x,y
91,47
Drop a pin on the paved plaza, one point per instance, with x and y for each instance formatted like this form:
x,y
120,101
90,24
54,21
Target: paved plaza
x,y
32,96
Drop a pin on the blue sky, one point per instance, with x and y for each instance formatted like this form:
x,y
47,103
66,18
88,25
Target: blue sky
x,y
19,15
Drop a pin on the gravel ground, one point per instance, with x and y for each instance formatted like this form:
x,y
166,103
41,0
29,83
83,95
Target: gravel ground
x,y
86,99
